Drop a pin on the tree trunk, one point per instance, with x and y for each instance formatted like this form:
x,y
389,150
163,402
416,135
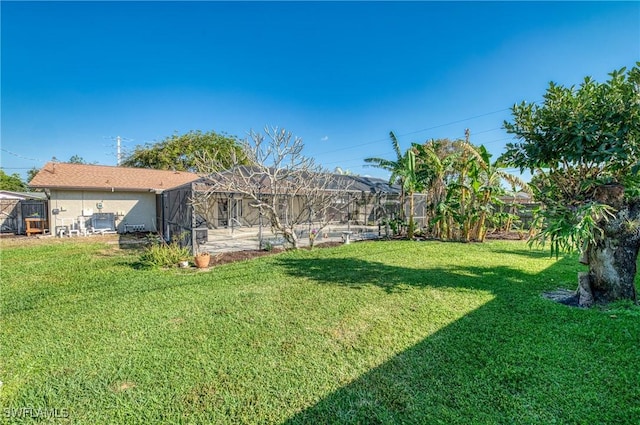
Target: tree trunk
x,y
612,271
612,257
480,226
288,234
411,228
291,237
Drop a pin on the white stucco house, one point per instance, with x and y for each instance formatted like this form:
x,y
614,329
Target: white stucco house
x,y
105,197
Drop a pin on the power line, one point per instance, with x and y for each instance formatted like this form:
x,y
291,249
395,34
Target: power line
x,y
486,131
20,156
16,168
455,122
432,128
425,129
120,150
498,140
360,159
352,160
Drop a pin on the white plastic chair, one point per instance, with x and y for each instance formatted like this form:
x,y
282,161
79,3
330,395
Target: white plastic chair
x,y
62,228
73,229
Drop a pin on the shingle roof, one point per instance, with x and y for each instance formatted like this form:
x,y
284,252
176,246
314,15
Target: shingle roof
x,y
371,185
82,176
349,183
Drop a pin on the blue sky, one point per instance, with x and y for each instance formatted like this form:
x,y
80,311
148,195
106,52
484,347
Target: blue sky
x,y
341,75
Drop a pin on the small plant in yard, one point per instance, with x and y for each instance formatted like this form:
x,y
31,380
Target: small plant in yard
x,y
312,236
159,253
202,259
395,225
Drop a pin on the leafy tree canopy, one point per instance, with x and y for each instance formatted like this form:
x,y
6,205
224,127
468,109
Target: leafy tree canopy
x,y
32,173
576,142
185,152
76,159
12,182
580,138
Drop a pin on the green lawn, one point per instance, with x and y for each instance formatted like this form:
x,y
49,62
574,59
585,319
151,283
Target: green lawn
x,y
378,332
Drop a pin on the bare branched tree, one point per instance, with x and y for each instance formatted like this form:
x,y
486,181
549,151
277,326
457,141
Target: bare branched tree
x,y
290,190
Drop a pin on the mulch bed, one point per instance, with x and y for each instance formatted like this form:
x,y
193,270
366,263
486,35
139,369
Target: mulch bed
x,y
231,257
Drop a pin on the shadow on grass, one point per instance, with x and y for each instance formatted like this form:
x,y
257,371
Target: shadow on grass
x,y
358,273
533,252
505,362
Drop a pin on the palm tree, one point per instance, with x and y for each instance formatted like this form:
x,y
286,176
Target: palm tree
x,y
403,172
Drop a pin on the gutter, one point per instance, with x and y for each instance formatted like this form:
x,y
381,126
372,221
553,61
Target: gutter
x,y
107,188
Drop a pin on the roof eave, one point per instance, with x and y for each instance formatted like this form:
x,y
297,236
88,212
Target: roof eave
x,y
99,188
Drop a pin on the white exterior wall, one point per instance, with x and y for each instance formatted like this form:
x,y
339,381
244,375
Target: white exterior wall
x,y
128,207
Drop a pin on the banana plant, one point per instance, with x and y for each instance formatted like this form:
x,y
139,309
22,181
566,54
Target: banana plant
x,y
435,168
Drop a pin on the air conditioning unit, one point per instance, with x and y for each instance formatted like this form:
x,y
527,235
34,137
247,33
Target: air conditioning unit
x,y
103,221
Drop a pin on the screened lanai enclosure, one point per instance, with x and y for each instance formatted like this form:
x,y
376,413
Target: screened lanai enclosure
x,y
208,219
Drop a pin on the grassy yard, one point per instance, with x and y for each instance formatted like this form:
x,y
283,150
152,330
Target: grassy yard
x,y
377,332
